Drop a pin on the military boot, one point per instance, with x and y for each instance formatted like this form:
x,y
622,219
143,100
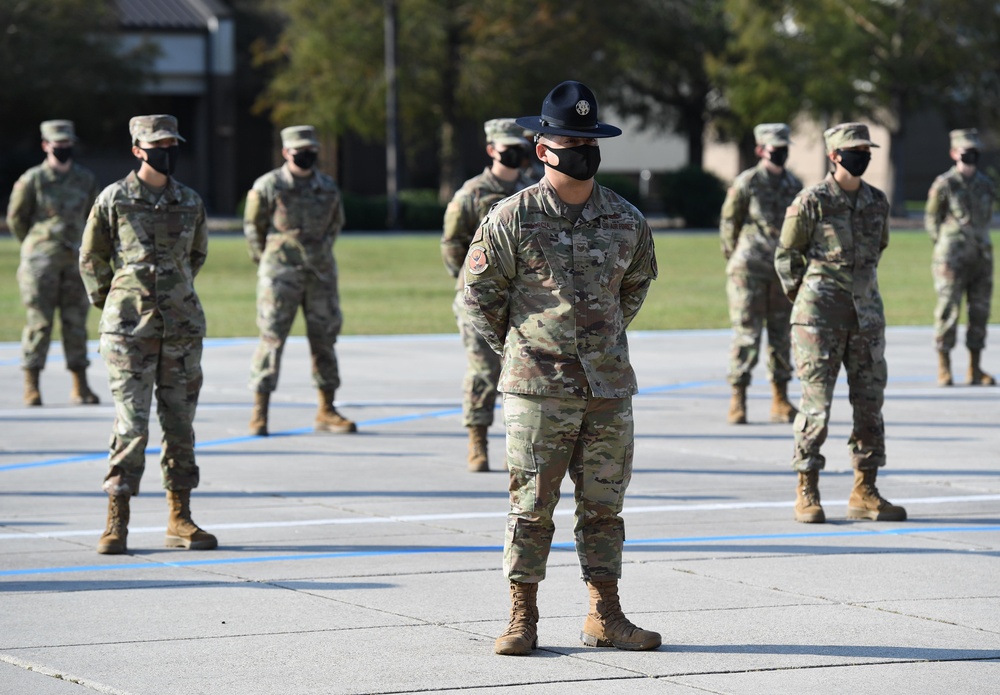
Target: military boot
x,y
781,409
258,417
944,368
866,503
80,393
182,532
521,636
329,420
977,377
808,509
113,540
478,457
607,626
738,406
32,396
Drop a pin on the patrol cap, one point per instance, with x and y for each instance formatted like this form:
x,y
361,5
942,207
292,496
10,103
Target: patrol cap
x,y
54,131
774,134
505,131
847,135
569,109
296,136
965,139
153,128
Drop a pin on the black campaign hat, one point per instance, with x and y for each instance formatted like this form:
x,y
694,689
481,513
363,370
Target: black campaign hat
x,y
569,109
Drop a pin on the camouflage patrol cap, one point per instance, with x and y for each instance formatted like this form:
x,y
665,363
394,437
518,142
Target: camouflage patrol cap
x,y
56,131
965,139
505,131
847,135
296,136
152,128
774,134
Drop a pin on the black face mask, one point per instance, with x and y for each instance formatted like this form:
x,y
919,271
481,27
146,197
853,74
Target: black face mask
x,y
162,159
63,154
305,159
854,161
970,157
580,163
512,157
778,156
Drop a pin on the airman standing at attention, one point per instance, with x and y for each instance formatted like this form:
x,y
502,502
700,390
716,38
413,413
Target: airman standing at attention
x,y
293,216
507,149
958,216
47,211
750,225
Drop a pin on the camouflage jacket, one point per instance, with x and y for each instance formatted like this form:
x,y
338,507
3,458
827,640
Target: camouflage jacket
x,y
828,256
751,218
466,210
139,258
47,210
554,297
959,210
292,224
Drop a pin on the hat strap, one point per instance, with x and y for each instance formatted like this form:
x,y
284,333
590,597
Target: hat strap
x,y
564,124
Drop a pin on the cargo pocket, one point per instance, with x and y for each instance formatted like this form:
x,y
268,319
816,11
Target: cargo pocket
x,y
523,475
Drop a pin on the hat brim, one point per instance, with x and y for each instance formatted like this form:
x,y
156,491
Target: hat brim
x,y
161,135
855,143
537,125
511,141
296,144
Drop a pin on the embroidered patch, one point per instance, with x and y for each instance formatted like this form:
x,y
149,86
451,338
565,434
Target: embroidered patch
x,y
792,211
477,260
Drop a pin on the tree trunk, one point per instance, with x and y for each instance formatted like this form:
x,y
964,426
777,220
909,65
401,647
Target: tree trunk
x,y
448,183
897,191
693,123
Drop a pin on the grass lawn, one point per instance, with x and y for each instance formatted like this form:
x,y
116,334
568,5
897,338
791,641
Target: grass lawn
x,y
396,284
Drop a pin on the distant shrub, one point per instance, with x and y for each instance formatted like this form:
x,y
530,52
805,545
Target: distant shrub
x,y
693,194
624,185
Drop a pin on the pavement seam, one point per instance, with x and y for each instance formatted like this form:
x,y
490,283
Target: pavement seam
x,y
53,673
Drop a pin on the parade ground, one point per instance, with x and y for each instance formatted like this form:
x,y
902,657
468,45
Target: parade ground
x,y
371,563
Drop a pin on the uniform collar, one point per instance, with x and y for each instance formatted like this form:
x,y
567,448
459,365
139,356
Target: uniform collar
x,y
865,195
137,191
286,176
597,205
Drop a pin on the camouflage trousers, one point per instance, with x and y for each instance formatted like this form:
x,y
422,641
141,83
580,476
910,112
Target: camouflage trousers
x,y
592,439
754,302
957,275
279,297
819,352
48,283
482,372
135,367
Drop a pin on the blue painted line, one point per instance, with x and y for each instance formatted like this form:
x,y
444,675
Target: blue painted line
x,y
298,557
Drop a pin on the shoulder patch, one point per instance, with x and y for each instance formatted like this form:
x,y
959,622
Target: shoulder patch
x,y
792,210
477,260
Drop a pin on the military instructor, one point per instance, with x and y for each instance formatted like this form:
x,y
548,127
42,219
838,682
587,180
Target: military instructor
x,y
553,277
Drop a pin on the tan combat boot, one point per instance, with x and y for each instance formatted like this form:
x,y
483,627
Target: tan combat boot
x,y
478,457
80,393
258,417
808,509
866,503
781,409
32,396
607,626
182,532
944,368
977,377
113,540
521,636
329,420
738,406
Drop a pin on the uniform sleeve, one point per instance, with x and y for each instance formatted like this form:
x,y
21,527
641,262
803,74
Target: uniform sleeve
x,y
199,245
489,268
640,274
936,208
790,258
256,219
21,208
96,249
459,228
734,214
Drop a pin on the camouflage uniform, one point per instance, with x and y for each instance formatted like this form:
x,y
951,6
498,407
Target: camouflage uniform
x,y
554,298
958,216
140,254
750,225
47,212
827,261
291,225
461,219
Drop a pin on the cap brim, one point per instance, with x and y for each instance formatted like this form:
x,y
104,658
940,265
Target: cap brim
x,y
857,143
296,144
512,141
537,125
163,135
